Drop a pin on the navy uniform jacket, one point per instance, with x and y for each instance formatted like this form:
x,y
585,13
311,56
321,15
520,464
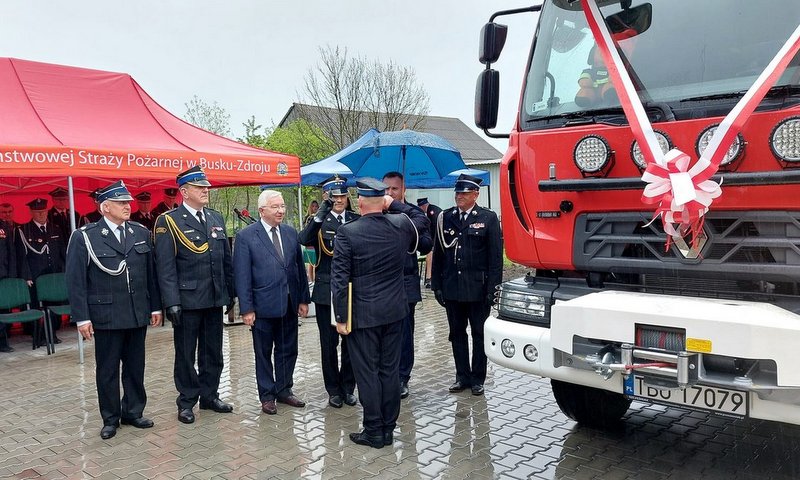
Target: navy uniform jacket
x,y
264,283
411,266
432,211
163,208
33,259
112,302
198,273
147,220
469,264
321,236
62,220
8,260
370,252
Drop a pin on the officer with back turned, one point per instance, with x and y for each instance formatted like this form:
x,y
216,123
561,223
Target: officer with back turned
x,y
367,280
320,233
195,274
467,267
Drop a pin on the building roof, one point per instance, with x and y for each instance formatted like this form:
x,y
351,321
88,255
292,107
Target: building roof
x,y
472,146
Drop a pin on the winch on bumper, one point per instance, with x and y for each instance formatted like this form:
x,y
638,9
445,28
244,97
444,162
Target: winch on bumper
x,y
725,356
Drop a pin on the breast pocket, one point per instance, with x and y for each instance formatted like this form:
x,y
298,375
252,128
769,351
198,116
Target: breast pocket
x,y
476,232
142,248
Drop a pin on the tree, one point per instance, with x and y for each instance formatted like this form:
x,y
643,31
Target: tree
x,y
353,94
207,116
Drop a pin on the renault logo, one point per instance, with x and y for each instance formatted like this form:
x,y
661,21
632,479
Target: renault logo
x,y
686,250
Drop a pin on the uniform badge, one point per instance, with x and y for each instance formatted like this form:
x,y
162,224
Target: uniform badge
x,y
104,232
2,233
130,230
477,225
161,230
474,212
214,234
189,231
40,240
451,231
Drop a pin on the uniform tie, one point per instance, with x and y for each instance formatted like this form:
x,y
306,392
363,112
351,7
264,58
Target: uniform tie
x,y
340,219
43,229
201,219
121,236
276,240
463,217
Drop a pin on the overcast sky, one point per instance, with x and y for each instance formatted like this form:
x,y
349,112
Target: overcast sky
x,y
250,56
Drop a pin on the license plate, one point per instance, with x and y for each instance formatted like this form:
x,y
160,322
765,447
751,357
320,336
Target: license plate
x,y
696,397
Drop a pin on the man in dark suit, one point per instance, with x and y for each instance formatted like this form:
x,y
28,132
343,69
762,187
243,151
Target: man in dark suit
x,y
397,190
144,214
113,295
41,248
467,268
196,279
320,233
431,211
369,255
8,260
168,203
272,287
59,214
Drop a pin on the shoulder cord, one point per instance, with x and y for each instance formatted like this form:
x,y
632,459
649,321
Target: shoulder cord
x,y
123,265
322,247
440,232
45,248
416,234
177,233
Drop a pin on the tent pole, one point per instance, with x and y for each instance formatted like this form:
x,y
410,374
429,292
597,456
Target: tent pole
x,y
299,206
71,204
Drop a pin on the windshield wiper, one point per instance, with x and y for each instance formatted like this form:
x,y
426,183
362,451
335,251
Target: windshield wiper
x,y
716,96
591,116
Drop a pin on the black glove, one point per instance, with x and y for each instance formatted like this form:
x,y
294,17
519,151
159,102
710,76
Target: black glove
x,y
324,210
174,315
439,297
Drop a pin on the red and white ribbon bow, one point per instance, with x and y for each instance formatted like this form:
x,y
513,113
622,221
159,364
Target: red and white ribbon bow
x,y
683,194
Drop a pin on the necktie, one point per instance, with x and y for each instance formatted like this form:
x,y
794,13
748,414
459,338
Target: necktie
x,y
340,219
463,217
200,218
121,236
276,240
43,229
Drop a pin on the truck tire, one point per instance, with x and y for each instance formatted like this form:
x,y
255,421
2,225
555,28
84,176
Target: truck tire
x,y
590,406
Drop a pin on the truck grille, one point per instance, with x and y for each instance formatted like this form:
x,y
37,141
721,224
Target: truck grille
x,y
743,252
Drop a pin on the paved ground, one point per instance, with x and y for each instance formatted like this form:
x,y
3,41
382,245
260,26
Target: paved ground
x,y
50,426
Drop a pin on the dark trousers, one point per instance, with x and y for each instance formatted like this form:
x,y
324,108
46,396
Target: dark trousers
x,y
375,353
198,337
278,334
459,314
112,347
338,381
407,344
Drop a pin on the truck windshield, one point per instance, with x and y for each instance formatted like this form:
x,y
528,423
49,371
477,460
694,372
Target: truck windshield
x,y
679,51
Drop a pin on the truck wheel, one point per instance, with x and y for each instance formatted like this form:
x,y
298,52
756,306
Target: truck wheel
x,y
590,406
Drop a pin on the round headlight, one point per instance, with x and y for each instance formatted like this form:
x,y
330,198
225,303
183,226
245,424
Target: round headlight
x,y
735,150
508,348
636,152
785,140
530,352
591,154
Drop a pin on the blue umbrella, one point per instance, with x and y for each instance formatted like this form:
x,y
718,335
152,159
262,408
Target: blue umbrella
x,y
319,171
418,156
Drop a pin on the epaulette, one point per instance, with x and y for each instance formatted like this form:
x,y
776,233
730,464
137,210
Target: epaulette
x,y
88,226
131,222
215,211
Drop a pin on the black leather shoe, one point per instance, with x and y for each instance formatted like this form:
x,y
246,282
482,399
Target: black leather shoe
x,y
458,387
185,415
374,441
388,438
108,431
292,401
350,399
477,389
336,401
56,340
141,422
404,393
217,405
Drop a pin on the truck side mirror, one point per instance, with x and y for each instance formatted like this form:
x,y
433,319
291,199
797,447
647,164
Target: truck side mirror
x,y
487,99
493,38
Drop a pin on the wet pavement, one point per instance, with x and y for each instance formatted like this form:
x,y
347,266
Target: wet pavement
x,y
50,426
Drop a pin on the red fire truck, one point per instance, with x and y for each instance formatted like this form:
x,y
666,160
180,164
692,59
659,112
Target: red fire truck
x,y
607,312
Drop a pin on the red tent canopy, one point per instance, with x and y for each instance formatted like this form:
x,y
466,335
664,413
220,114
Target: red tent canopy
x,y
58,121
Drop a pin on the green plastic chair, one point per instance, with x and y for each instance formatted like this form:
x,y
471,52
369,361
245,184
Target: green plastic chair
x,y
14,293
51,289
